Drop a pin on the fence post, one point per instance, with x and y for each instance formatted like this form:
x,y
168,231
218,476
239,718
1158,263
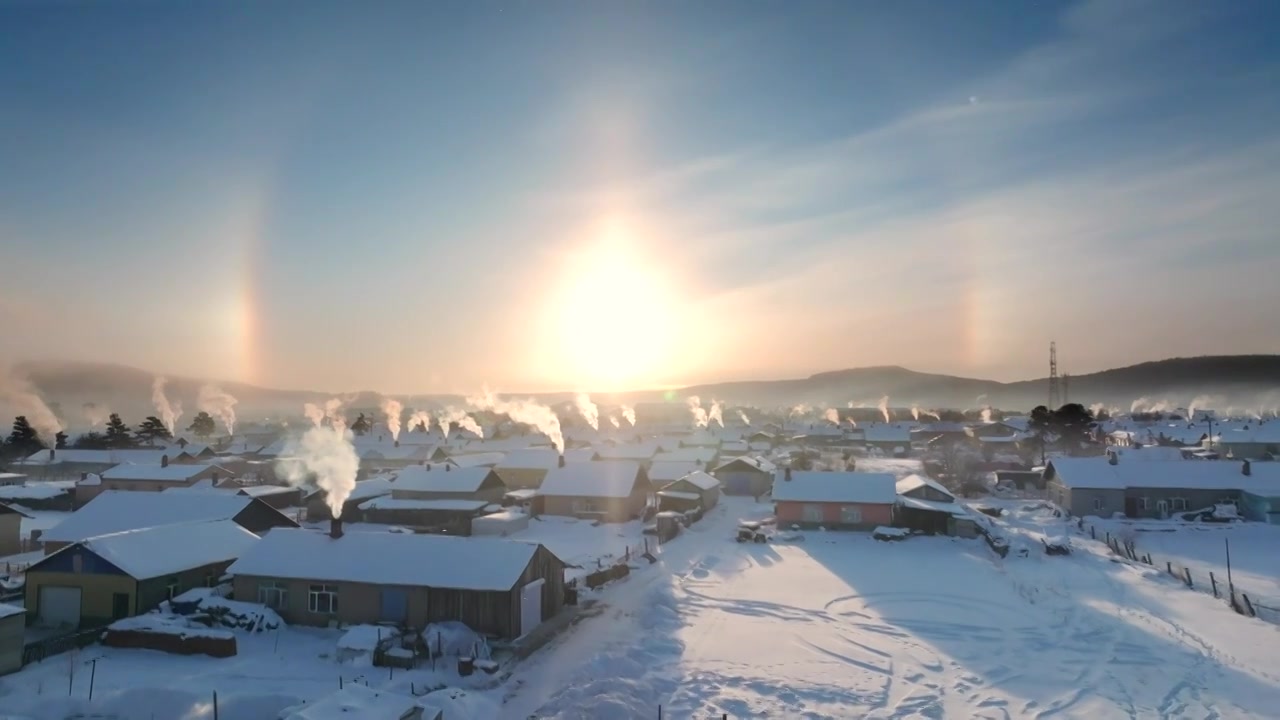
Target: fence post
x,y
1214,582
1248,605
1168,565
1188,573
1093,533
215,705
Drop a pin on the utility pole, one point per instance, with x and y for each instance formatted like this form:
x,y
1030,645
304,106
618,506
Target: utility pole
x,y
1209,419
1055,399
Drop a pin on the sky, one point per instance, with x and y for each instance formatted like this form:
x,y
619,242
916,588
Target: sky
x,y
595,195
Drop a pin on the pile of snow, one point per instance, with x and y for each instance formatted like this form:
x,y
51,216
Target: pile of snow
x,y
160,624
890,533
208,604
454,639
353,701
364,637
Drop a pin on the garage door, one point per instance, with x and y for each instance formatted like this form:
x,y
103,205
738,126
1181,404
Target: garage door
x,y
531,606
59,606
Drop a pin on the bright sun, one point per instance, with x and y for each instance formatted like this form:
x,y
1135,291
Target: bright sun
x,y
614,315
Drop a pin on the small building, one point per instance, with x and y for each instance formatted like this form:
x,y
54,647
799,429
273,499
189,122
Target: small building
x,y
53,495
72,464
843,500
639,453
8,479
700,455
316,502
525,468
441,517
277,496
13,625
605,490
502,588
926,506
890,439
1104,486
115,512
745,475
502,524
446,482
665,473
695,490
105,578
10,530
148,478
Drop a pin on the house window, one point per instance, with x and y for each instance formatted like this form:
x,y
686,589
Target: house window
x,y
1097,503
851,515
323,599
274,595
171,589
1142,503
1162,508
1178,504
811,513
211,579
77,564
584,506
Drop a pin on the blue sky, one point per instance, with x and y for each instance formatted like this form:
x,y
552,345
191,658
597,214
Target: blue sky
x,y
431,196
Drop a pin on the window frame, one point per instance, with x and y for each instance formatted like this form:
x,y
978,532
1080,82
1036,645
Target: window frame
x,y
322,590
277,588
171,588
1174,504
1097,503
811,512
845,510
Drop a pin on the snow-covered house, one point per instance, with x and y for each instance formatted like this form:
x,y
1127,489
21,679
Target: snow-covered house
x,y
13,626
108,577
316,501
693,490
662,473
607,490
1113,484
640,453
746,475
702,455
851,500
155,477
525,468
72,464
114,512
925,505
443,481
497,587
10,530
1256,441
891,439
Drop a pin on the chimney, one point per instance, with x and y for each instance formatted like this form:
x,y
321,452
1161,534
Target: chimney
x,y
84,476
560,461
447,467
1246,469
51,454
397,443
335,528
1113,457
787,475
164,461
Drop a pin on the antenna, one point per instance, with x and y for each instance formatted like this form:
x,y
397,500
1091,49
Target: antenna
x,y
1055,399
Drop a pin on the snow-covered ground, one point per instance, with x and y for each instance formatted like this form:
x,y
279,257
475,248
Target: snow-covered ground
x,y
1201,547
843,626
582,545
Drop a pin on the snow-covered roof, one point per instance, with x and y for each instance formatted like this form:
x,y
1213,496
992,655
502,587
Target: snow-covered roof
x,y
6,510
117,510
381,558
701,480
9,478
7,610
946,507
441,478
354,701
391,503
665,472
103,457
534,458
687,454
484,459
915,482
755,463
168,549
1097,472
885,433
850,487
265,490
158,472
679,495
635,451
373,487
599,478
34,491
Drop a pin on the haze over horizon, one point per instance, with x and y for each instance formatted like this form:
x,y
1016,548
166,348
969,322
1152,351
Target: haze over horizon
x,y
431,197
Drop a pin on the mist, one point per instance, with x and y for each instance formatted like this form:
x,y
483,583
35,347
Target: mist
x,y
698,414
587,410
220,404
527,411
392,409
323,454
18,393
169,411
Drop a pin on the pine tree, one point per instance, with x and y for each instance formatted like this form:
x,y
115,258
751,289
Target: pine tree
x,y
60,440
202,425
361,425
91,441
151,429
118,435
23,440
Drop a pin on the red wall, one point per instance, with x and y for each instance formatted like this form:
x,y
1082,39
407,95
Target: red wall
x,y
792,512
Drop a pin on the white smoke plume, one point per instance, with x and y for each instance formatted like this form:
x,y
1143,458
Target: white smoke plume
x,y
392,409
1139,405
630,414
799,411
613,420
219,403
743,416
716,413
94,414
696,410
1200,402
931,414
169,412
915,412
1097,408
420,417
587,410
986,414
523,411
832,415
451,415
333,412
981,399
25,401
884,408
326,455
314,413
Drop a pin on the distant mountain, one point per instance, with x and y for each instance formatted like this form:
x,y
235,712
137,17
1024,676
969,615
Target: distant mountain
x,y
1245,381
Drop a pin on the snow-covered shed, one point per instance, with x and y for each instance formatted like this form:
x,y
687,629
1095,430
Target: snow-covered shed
x,y
498,587
108,577
444,481
746,475
607,490
855,500
526,467
695,489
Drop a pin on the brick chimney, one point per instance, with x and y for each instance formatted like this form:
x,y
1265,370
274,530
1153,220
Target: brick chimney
x,y
1246,469
1113,457
164,461
335,528
786,475
447,467
560,461
51,454
397,443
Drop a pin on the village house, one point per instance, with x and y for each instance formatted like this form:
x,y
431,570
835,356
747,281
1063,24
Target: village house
x,y
436,498
834,500
890,439
609,491
692,491
13,627
524,469
501,588
10,530
359,701
745,475
147,478
70,464
114,512
1104,486
1255,442
704,456
52,495
8,479
663,473
926,506
639,453
108,577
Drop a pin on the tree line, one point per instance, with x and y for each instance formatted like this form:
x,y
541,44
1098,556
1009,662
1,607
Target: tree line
x,y
23,440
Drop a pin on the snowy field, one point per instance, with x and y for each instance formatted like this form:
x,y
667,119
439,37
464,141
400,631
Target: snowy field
x,y
842,626
1255,550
